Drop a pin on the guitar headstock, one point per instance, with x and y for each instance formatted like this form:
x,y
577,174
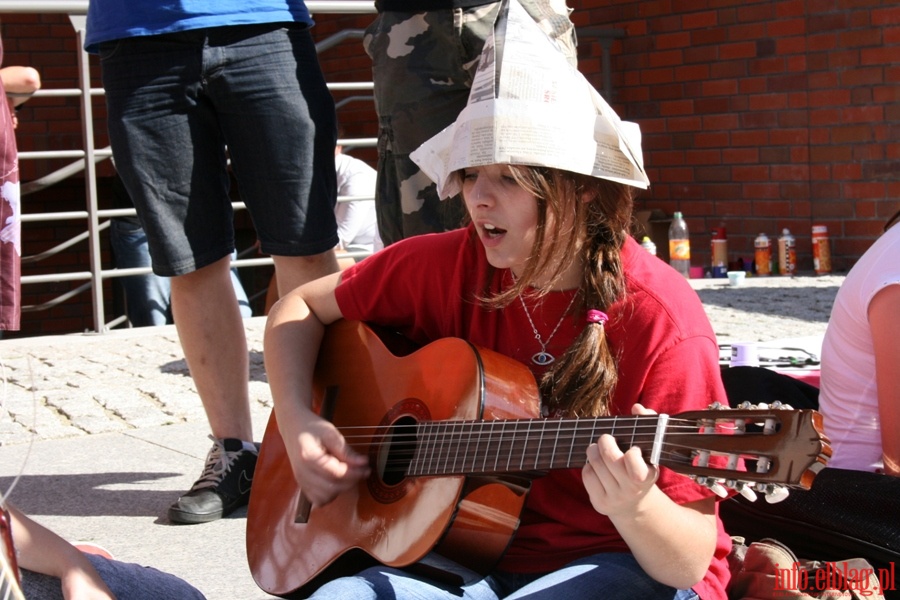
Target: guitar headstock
x,y
761,448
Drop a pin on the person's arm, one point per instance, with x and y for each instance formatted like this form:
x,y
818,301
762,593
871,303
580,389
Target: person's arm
x,y
673,543
42,551
323,463
20,83
885,326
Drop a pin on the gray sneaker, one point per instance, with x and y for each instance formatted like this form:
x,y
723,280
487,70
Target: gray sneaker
x,y
223,487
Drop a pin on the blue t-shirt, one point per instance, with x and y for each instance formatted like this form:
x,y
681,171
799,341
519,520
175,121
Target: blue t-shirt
x,y
116,19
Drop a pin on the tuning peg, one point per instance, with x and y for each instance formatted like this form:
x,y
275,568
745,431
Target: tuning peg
x,y
747,492
777,494
779,405
716,486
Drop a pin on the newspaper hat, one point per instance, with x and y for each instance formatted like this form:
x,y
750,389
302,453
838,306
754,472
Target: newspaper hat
x,y
529,106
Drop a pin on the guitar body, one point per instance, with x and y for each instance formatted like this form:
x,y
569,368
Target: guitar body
x,y
389,518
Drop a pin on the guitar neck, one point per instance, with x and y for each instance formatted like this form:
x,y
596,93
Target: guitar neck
x,y
519,446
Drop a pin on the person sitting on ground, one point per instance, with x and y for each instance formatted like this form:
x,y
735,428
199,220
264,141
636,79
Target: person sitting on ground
x,y
859,394
546,273
54,569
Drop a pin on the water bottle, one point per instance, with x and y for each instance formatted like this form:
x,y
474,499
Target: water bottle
x,y
680,245
648,245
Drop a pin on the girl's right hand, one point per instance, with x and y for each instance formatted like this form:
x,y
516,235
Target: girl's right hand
x,y
324,464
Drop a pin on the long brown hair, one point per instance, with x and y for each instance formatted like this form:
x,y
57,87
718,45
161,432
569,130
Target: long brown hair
x,y
593,219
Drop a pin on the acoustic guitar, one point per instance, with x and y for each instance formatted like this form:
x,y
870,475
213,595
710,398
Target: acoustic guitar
x,y
453,434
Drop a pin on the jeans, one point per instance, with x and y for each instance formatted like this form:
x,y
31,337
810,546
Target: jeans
x,y
125,580
148,297
608,576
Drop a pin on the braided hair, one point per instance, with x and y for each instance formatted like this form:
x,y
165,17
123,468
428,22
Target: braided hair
x,y
592,220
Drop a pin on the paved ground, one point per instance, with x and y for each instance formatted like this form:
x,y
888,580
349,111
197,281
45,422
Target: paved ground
x,y
106,430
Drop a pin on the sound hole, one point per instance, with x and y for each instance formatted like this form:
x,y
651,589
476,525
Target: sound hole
x,y
394,448
400,446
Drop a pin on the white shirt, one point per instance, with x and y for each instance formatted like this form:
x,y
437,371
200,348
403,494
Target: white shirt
x,y
357,226
848,393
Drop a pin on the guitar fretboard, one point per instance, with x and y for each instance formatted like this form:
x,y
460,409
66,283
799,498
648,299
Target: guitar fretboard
x,y
517,446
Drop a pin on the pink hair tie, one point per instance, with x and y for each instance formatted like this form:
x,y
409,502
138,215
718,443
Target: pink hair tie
x,y
597,316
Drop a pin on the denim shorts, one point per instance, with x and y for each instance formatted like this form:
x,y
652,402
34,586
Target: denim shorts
x,y
180,105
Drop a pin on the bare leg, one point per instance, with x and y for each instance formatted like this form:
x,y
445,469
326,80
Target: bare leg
x,y
212,336
293,271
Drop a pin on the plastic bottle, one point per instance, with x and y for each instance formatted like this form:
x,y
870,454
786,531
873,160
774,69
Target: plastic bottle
x,y
787,253
821,249
680,245
648,245
763,254
719,253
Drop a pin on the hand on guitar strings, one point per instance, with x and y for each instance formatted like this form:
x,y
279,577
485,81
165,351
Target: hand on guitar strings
x,y
323,462
618,481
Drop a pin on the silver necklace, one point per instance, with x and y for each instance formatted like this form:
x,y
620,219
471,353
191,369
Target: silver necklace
x,y
544,358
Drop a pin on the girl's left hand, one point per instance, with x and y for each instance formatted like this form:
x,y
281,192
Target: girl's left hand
x,y
617,481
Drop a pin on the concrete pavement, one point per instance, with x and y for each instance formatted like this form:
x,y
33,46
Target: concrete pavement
x,y
106,430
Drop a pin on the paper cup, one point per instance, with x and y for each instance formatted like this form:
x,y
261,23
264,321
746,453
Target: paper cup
x,y
736,278
744,354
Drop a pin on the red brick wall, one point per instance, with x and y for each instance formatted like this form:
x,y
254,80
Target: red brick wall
x,y
756,114
759,115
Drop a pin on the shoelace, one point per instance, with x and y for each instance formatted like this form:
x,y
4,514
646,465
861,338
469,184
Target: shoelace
x,y
218,463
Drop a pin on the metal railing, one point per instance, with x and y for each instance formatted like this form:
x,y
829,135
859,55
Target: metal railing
x,y
87,159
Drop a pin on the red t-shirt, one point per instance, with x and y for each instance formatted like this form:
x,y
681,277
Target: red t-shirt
x,y
426,287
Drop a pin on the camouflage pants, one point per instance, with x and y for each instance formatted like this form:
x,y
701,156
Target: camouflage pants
x,y
423,64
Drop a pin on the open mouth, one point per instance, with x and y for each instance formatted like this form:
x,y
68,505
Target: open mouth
x,y
492,231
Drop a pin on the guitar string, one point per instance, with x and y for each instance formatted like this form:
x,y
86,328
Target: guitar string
x,y
486,448
571,426
367,440
444,442
667,456
482,437
441,443
650,420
